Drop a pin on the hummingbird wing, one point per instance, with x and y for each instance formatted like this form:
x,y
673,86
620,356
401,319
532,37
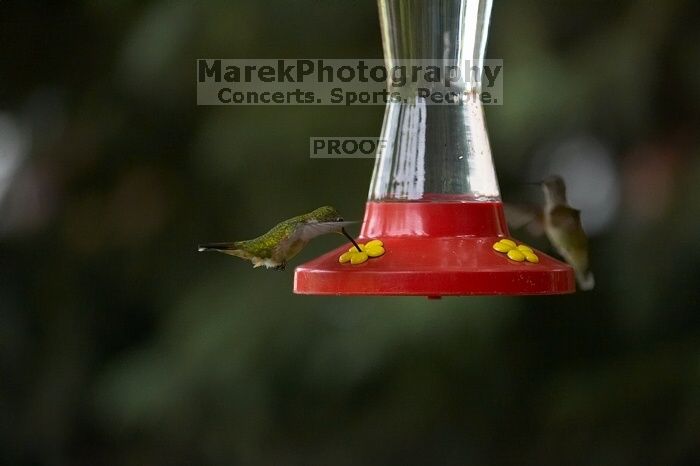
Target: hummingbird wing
x,y
525,215
305,232
310,230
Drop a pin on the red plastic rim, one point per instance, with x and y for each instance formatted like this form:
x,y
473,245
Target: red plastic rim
x,y
434,249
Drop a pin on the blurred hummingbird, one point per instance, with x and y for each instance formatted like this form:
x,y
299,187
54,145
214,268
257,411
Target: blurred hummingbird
x,y
562,225
286,239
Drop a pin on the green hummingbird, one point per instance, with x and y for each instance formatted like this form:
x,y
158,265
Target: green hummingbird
x,y
286,239
562,225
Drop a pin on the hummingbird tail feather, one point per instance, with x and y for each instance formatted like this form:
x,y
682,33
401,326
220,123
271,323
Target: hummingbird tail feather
x,y
235,249
232,249
220,247
586,281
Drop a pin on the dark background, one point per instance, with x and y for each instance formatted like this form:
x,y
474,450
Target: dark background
x,y
119,344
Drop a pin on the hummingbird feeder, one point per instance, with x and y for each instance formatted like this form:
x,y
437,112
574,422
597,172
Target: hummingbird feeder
x,y
434,199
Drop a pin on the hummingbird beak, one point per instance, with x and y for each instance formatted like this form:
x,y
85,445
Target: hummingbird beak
x,y
342,229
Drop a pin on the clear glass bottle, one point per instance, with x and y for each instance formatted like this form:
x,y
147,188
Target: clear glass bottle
x,y
435,151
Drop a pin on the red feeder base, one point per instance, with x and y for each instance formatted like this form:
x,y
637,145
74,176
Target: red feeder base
x,y
434,249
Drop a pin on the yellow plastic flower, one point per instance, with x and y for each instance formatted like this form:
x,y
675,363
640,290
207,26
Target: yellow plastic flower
x,y
516,252
373,248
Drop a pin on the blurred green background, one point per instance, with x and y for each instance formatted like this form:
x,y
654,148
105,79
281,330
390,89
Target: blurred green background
x,y
119,344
